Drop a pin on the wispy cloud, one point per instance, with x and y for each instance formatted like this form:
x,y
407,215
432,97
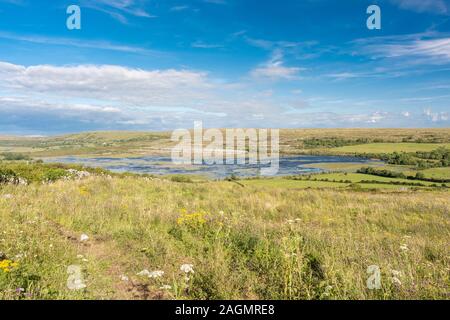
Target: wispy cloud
x,y
216,1
430,47
203,45
120,9
179,8
70,42
274,69
433,6
16,2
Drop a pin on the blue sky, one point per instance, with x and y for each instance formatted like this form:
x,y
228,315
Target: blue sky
x,y
161,65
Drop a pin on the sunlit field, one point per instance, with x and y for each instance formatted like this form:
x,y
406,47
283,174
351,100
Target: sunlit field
x,y
307,236
247,242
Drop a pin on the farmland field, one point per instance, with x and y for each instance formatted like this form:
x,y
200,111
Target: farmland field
x,y
390,147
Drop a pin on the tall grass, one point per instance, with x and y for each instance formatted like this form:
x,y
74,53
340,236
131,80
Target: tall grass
x,y
243,242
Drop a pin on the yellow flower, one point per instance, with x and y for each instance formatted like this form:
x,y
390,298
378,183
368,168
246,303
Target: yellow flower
x,y
191,219
7,265
83,190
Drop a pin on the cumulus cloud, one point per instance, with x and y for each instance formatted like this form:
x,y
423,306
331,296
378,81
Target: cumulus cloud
x,y
107,82
45,99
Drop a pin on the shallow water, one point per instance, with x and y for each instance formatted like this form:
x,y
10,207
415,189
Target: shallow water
x,y
159,165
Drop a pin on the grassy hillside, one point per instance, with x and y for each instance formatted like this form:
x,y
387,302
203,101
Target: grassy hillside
x,y
292,141
249,242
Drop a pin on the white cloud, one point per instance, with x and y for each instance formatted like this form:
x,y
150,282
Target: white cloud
x,y
216,1
44,99
70,42
436,116
119,9
406,114
275,69
179,8
203,45
422,48
106,82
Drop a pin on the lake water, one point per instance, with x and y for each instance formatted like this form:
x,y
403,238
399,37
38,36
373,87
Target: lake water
x,y
159,165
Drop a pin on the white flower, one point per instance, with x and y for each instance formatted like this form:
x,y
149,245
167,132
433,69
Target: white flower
x,y
124,278
404,247
396,281
77,284
187,268
84,237
396,273
156,274
144,273
166,287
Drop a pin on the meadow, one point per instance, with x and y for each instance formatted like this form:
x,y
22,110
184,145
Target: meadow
x,y
251,242
129,236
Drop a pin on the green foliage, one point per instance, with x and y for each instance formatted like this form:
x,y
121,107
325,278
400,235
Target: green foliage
x,y
181,178
11,156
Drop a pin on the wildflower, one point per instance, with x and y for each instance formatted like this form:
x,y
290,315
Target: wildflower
x,y
396,281
327,291
84,237
404,247
165,287
191,219
83,190
396,273
187,268
20,290
144,273
8,265
156,274
124,278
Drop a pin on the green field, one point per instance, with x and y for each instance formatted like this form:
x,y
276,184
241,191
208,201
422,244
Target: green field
x,y
439,173
389,147
353,177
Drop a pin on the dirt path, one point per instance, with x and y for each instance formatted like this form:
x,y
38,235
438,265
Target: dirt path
x,y
104,250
